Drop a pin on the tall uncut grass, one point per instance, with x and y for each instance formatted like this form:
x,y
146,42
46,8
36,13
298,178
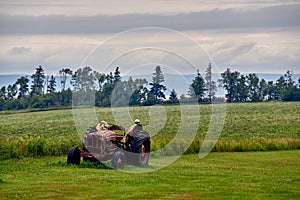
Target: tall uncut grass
x,y
32,146
265,126
36,145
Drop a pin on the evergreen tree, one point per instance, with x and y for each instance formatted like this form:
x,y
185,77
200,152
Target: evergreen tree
x,y
37,81
51,85
210,84
109,78
150,99
140,92
157,89
173,97
117,76
139,96
3,93
272,92
197,88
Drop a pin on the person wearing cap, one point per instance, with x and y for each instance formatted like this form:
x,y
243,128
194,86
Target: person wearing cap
x,y
136,127
137,121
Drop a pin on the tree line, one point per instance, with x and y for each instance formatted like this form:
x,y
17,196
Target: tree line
x,y
245,88
43,91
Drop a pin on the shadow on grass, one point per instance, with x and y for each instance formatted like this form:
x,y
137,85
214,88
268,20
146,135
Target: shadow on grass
x,y
83,164
97,165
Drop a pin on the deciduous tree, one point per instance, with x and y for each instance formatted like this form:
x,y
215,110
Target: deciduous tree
x,y
230,82
63,74
83,79
23,86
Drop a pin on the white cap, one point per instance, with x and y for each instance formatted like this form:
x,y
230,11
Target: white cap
x,y
137,121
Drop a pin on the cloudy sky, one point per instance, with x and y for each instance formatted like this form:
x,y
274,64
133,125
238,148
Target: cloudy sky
x,y
260,36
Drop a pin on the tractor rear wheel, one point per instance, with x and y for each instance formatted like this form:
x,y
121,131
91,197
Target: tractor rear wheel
x,y
144,153
74,156
139,149
118,160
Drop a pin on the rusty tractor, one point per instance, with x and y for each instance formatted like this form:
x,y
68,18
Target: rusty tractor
x,y
102,145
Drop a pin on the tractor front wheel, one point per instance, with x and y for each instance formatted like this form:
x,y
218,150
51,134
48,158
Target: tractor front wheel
x,y
74,156
118,160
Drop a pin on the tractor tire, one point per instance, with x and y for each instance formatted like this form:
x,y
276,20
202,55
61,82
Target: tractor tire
x,y
143,153
74,156
118,160
140,149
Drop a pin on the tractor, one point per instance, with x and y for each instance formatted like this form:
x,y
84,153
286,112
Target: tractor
x,y
103,145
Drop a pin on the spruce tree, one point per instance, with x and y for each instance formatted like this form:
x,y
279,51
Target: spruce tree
x,y
197,88
157,89
38,81
210,84
51,85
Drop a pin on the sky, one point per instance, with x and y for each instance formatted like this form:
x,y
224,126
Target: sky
x,y
250,36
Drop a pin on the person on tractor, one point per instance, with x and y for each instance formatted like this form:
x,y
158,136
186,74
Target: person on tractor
x,y
132,131
137,142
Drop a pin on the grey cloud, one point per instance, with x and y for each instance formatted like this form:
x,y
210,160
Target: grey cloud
x,y
227,52
243,49
19,50
268,17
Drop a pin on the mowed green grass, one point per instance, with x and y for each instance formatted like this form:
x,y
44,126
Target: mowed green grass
x,y
247,175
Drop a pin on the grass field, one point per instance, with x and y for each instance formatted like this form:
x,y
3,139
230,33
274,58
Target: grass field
x,y
235,175
33,148
266,119
248,127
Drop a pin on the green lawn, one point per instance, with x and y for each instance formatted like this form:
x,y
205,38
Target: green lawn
x,y
247,175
